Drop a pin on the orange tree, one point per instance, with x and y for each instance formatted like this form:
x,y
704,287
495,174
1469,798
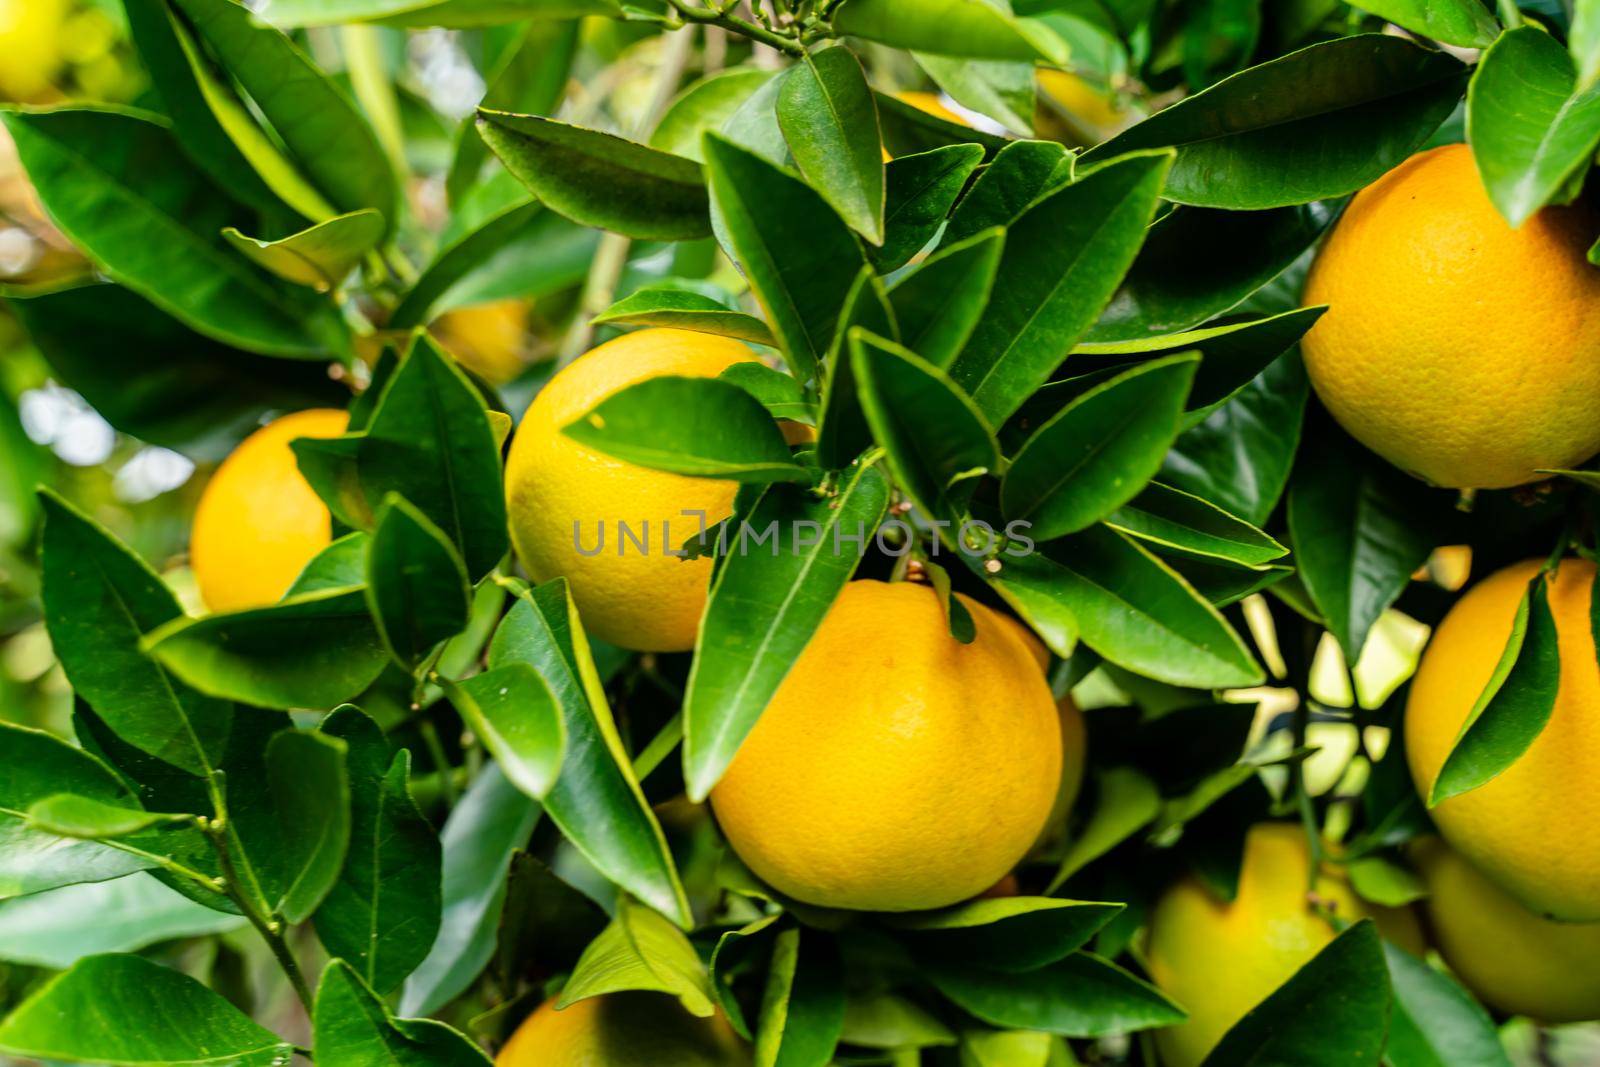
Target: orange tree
x,y
802,532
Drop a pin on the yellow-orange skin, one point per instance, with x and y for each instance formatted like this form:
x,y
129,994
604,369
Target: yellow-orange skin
x,y
650,602
1218,960
1535,828
488,339
30,42
896,768
1454,346
1508,956
1074,732
622,1030
258,522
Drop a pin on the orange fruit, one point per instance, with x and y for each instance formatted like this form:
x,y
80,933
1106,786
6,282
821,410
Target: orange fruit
x,y
635,1029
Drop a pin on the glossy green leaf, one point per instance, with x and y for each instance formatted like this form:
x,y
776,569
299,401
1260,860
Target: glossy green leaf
x,y
1079,996
492,820
99,601
938,305
999,89
514,714
842,431
1099,451
430,442
802,1007
600,179
1434,1022
315,650
886,1021
920,191
798,256
1019,174
1187,525
1063,260
684,309
779,393
1531,129
596,801
830,123
1514,706
1007,933
416,583
71,815
641,950
1316,123
99,1012
319,125
932,433
908,130
118,185
763,610
1463,23
355,1027
59,927
1334,1010
1125,803
311,794
735,954
702,427
705,105
382,914
321,256
973,29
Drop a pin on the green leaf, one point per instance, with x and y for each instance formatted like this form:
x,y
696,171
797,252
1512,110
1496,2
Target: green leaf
x,y
417,585
355,1027
318,124
383,912
116,184
779,393
99,601
763,610
314,650
492,820
1079,996
321,256
1062,262
459,255
596,802
59,927
706,105
920,190
1099,451
1316,123
99,1012
799,258
842,431
882,1020
71,815
1137,612
1333,1011
311,797
1514,706
935,438
702,427
938,304
33,766
430,441
958,620
735,953
1463,23
1583,41
600,179
1185,524
1019,174
1011,934
908,130
456,14
1236,252
973,29
1125,803
1436,1023
1013,1048
641,950
1530,128
1002,90
515,715
802,1008
1359,529
684,309
830,124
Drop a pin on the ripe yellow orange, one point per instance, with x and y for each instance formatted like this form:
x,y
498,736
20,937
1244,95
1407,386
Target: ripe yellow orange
x,y
622,1030
1507,955
1074,733
1218,960
30,41
561,494
488,339
1534,829
258,522
895,768
1454,346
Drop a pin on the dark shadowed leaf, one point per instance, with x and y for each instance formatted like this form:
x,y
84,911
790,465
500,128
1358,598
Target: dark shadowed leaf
x,y
514,714
311,797
802,1008
354,1026
1334,1011
830,124
703,427
1019,174
1436,1023
1185,524
921,189
600,179
1006,934
1316,123
99,1012
684,309
641,950
320,256
1125,803
971,28
416,583
938,304
763,610
842,431
1079,996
